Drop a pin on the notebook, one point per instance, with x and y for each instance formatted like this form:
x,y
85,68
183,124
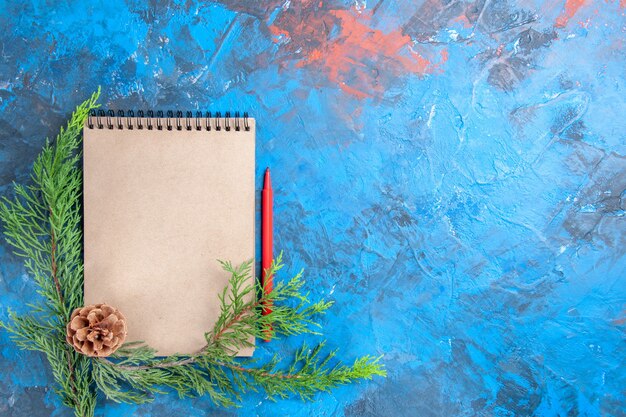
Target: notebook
x,y
164,198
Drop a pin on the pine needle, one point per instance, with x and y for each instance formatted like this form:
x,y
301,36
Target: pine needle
x,y
215,371
43,224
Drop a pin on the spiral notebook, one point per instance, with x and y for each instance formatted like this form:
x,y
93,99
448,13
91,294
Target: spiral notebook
x,y
165,197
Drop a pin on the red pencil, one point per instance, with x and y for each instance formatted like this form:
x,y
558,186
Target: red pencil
x,y
267,242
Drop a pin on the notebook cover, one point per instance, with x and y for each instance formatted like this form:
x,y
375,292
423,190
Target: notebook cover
x,y
160,208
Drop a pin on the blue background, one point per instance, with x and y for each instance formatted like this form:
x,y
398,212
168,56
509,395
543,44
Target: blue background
x,y
450,173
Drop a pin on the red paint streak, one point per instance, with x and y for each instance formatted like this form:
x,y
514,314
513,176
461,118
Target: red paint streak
x,y
463,20
278,32
585,24
622,4
348,59
362,61
571,7
444,56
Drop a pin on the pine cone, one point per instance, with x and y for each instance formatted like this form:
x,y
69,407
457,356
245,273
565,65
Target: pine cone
x,y
96,330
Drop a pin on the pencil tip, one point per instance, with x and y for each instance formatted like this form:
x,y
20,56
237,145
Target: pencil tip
x,y
266,179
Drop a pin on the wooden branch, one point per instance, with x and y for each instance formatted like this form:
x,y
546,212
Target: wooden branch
x,y
53,250
57,284
192,358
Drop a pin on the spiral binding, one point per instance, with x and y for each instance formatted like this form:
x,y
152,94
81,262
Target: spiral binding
x,y
109,119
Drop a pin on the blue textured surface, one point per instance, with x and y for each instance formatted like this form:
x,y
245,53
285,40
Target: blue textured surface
x,y
450,173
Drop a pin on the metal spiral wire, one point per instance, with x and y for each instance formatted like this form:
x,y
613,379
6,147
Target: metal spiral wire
x,y
109,119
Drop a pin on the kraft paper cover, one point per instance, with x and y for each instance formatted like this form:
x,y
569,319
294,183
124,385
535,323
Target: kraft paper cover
x,y
160,208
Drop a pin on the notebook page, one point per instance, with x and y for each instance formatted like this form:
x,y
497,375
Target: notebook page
x,y
160,208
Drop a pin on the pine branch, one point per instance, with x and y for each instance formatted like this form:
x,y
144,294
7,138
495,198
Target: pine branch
x,y
309,374
43,224
214,370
